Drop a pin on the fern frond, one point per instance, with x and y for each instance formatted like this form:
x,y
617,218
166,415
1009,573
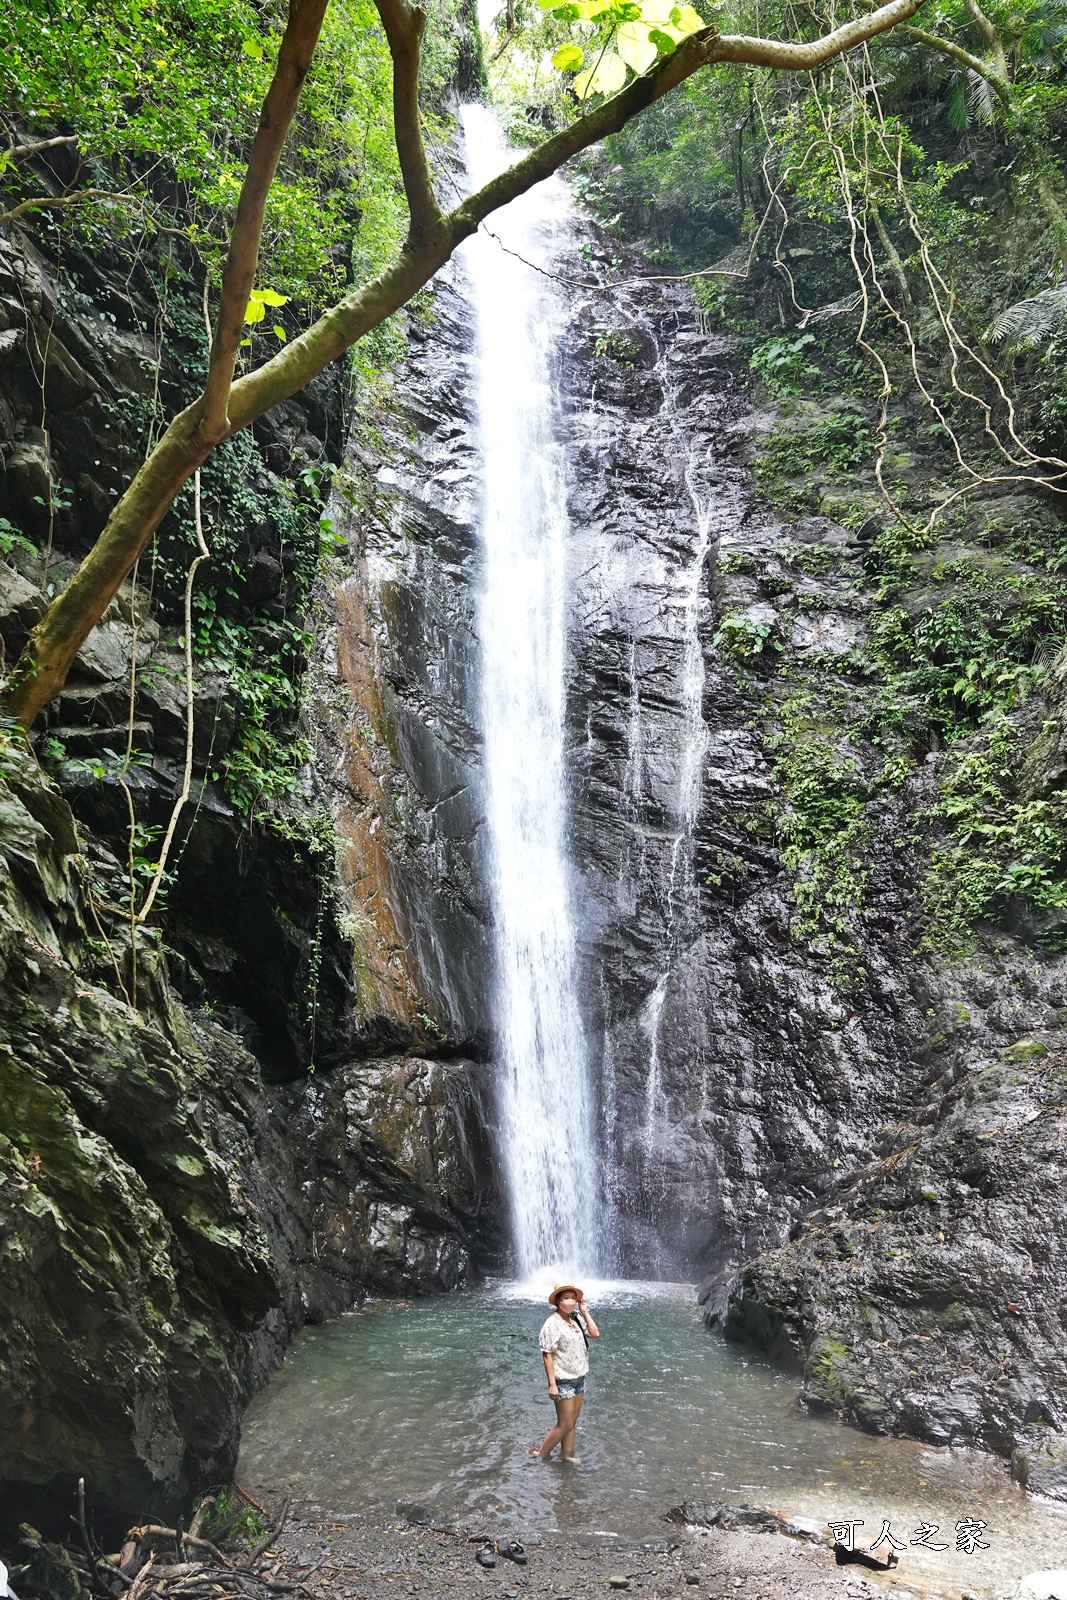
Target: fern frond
x,y
983,101
957,108
1031,321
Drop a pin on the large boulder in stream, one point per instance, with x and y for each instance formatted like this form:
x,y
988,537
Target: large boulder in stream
x,y
927,1295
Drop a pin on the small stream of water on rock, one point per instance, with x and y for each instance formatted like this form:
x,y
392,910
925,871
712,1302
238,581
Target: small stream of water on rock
x,y
548,1145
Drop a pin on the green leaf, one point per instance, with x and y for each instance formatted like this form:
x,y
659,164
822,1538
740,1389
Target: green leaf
x,y
270,297
253,48
686,19
279,332
255,310
568,58
662,41
635,47
606,77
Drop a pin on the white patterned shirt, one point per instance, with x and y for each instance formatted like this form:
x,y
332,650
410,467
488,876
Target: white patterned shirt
x,y
564,1341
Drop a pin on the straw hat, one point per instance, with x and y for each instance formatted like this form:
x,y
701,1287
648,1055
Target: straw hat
x,y
561,1288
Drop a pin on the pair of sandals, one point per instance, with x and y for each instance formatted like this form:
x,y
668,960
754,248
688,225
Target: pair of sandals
x,y
487,1554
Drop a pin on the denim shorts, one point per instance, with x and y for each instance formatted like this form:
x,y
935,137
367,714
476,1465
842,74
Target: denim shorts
x,y
570,1388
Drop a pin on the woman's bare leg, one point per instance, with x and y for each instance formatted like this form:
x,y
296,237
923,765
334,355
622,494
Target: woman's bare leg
x,y
567,1442
566,1416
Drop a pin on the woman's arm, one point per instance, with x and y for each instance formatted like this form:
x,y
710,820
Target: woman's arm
x,y
587,1317
550,1368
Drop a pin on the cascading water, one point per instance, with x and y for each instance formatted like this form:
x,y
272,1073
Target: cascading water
x,y
545,1097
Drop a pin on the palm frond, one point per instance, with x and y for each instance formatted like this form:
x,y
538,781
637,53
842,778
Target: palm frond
x,y
983,102
1031,321
958,114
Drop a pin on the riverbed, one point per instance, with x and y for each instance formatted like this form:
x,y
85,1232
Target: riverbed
x,y
436,1402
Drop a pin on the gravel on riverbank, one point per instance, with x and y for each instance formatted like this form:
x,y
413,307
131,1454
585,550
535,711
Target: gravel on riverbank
x,y
373,1555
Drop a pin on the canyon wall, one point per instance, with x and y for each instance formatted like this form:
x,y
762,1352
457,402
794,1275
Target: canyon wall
x,y
281,1100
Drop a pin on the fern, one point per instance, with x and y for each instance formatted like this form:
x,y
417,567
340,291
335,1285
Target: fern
x,y
1031,321
983,101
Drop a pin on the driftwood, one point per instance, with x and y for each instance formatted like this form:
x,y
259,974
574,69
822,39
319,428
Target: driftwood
x,y
157,1562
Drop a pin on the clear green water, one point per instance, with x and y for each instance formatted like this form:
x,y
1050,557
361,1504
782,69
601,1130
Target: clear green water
x,y
437,1401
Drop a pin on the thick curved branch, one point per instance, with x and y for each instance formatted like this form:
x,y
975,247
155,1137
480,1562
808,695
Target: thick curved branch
x,y
19,152
957,53
294,61
404,26
790,57
991,36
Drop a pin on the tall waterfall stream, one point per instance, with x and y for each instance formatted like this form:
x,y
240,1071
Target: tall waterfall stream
x,y
548,1146
438,1401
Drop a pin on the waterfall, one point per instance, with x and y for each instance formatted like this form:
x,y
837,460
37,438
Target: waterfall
x,y
545,1096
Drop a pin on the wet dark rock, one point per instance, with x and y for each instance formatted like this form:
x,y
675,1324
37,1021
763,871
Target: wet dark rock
x,y
924,1296
164,1221
1041,1464
717,1514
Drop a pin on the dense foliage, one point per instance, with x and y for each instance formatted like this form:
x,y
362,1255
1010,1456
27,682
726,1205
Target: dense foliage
x,y
158,103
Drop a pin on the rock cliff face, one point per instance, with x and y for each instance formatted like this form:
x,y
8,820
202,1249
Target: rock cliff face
x,y
269,1108
874,1141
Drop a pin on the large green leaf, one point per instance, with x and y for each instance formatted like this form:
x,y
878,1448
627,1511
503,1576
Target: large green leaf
x,y
606,77
635,47
568,58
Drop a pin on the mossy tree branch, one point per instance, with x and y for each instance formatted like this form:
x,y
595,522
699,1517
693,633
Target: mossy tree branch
x,y
227,407
404,25
302,29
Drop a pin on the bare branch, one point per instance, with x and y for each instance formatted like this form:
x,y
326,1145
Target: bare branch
x,y
404,25
19,152
294,61
49,202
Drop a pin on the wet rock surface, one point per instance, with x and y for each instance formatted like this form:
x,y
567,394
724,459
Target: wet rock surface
x,y
925,1296
759,1095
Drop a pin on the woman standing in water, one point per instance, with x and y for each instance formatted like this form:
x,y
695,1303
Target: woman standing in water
x,y
564,1340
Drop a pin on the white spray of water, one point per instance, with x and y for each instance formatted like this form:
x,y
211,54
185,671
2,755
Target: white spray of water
x,y
545,1098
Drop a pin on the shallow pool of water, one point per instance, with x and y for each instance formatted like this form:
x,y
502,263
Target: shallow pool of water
x,y
437,1401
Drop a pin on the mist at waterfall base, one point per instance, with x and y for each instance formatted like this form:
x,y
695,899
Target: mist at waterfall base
x,y
437,1402
547,1142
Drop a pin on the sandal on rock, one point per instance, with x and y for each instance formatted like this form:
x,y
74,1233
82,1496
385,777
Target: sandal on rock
x,y
514,1552
486,1556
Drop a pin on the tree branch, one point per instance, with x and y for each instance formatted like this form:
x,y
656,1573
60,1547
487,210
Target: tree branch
x,y
46,659
18,152
404,25
990,35
508,36
964,57
807,57
294,61
41,202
